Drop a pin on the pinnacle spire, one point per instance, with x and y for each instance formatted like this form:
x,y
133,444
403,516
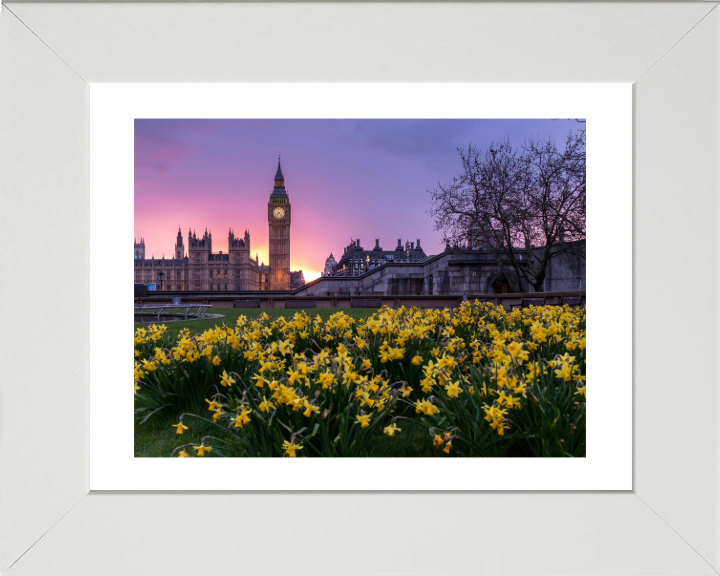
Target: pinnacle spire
x,y
279,174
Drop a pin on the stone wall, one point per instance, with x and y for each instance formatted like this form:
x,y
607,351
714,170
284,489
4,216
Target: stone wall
x,y
450,273
567,271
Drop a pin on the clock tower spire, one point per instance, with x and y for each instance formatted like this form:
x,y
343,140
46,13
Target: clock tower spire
x,y
279,228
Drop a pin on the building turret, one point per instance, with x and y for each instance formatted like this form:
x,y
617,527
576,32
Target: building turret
x,y
179,248
330,264
140,249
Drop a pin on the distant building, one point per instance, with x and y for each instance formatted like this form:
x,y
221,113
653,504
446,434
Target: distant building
x,y
201,269
140,248
454,272
330,266
356,260
297,280
263,277
478,239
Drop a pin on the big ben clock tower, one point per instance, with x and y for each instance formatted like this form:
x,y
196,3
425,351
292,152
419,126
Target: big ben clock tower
x,y
279,224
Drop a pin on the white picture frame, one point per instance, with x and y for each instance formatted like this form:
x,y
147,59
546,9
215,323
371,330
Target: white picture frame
x,y
607,110
49,523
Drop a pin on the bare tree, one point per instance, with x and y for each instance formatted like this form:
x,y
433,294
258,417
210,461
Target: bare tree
x,y
524,206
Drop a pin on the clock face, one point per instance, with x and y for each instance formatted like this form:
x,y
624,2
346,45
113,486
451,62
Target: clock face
x,y
278,212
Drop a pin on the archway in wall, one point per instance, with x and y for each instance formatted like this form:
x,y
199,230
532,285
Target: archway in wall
x,y
500,286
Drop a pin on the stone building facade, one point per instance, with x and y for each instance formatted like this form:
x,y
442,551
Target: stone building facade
x,y
356,260
199,268
455,271
297,280
195,267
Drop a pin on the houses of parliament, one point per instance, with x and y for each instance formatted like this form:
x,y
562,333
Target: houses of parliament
x,y
196,267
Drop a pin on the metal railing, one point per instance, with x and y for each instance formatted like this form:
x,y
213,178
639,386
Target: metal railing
x,y
161,307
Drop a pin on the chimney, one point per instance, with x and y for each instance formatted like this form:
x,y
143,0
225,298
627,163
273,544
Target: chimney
x,y
357,242
377,243
399,243
412,245
418,244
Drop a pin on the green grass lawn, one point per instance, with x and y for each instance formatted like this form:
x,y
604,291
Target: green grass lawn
x,y
230,316
157,438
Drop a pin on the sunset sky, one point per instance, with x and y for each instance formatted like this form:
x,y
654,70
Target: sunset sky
x,y
346,179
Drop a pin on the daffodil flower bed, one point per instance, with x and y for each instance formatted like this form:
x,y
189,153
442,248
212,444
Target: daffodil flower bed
x,y
479,381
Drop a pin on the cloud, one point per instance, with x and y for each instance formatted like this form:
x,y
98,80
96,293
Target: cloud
x,y
159,152
431,142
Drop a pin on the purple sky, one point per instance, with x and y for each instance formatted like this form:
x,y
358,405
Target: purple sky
x,y
346,179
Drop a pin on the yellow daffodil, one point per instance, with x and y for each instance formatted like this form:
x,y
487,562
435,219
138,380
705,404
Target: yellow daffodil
x,y
364,421
202,449
285,347
390,430
266,406
290,448
241,419
309,409
226,380
179,428
453,390
327,379
565,372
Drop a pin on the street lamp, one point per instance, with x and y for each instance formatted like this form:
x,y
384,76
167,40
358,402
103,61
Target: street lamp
x,y
161,277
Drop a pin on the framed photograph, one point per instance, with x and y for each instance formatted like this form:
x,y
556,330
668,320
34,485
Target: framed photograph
x,y
347,395
83,84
